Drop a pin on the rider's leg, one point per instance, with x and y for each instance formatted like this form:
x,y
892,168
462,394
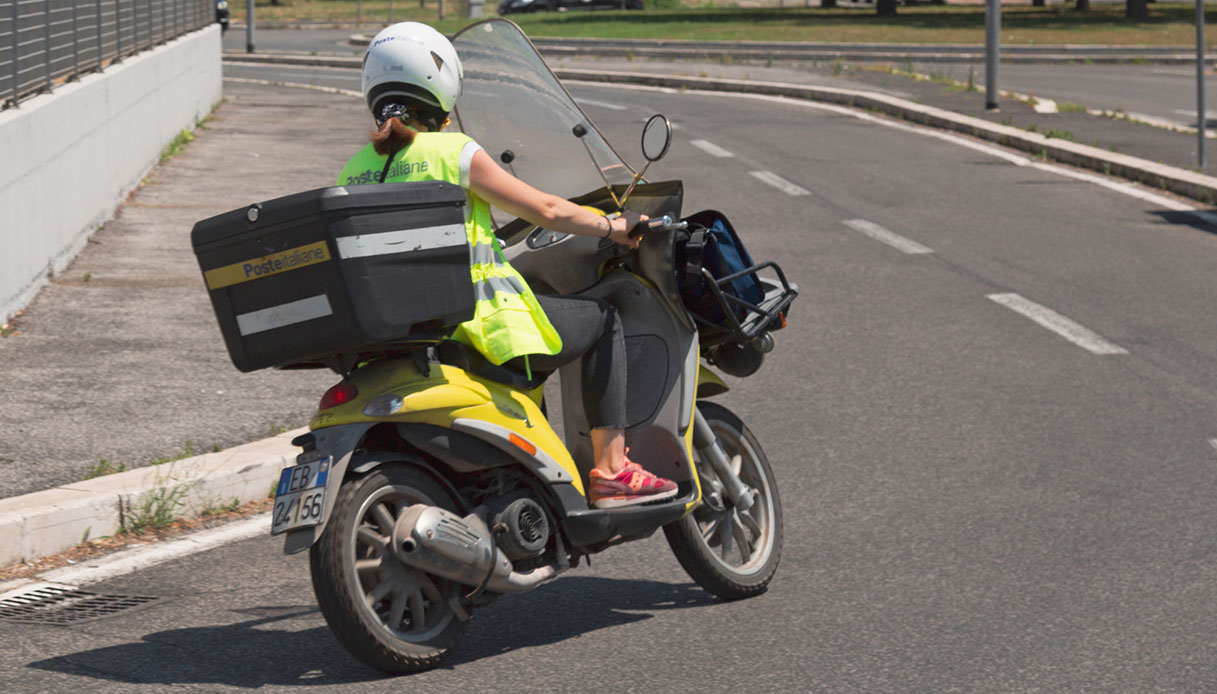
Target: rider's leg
x,y
590,329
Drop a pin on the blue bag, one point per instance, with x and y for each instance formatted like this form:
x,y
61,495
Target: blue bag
x,y
713,244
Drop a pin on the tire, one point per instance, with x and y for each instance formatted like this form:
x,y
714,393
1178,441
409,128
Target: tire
x,y
720,563
364,624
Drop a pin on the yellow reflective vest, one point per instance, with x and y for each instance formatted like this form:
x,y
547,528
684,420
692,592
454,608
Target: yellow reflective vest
x,y
507,321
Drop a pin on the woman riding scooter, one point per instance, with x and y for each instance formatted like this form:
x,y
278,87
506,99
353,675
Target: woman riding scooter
x,y
411,81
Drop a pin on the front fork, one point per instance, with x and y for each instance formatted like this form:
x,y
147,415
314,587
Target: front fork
x,y
741,495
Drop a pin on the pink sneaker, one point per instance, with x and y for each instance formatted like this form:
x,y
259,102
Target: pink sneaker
x,y
632,485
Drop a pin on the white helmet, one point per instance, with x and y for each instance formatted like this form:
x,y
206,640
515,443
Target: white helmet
x,y
412,60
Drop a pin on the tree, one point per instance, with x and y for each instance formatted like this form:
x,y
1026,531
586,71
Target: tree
x,y
885,8
1083,6
828,4
1136,9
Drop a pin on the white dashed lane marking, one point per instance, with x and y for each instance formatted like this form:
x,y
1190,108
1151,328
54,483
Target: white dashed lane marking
x,y
882,235
778,182
711,149
1070,330
601,104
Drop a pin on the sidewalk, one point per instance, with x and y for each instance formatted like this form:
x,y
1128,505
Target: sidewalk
x,y
120,357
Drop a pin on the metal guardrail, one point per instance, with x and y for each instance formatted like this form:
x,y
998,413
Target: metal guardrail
x,y
44,43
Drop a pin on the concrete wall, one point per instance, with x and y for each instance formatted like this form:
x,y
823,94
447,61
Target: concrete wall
x,y
69,158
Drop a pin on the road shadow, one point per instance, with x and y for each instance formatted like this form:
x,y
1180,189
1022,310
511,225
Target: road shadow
x,y
262,651
1187,219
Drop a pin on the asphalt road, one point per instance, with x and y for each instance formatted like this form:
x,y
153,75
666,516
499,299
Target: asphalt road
x,y
973,502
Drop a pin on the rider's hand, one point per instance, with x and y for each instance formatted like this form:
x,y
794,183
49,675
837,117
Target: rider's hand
x,y
622,225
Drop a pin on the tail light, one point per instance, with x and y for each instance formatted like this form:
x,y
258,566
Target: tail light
x,y
342,393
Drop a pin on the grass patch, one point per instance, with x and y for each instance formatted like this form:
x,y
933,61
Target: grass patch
x,y
1167,24
156,509
1069,107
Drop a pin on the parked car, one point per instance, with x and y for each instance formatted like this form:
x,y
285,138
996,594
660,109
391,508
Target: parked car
x,y
509,6
222,14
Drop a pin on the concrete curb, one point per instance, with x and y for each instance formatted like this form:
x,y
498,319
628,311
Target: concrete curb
x,y
45,523
1176,180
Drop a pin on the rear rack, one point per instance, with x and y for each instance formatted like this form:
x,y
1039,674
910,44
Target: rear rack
x,y
756,318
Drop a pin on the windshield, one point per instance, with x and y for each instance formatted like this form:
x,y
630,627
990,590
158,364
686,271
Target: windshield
x,y
512,103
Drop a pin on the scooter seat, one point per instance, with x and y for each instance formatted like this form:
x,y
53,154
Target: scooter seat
x,y
456,354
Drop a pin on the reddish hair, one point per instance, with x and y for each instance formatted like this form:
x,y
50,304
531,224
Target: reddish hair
x,y
392,137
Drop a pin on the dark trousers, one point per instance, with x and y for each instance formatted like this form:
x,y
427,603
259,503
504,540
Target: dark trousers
x,y
589,328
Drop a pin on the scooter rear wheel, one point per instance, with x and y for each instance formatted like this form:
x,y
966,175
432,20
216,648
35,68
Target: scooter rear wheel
x,y
729,552
388,615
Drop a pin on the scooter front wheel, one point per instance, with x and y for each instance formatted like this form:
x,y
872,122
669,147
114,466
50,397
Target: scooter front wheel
x,y
388,615
730,552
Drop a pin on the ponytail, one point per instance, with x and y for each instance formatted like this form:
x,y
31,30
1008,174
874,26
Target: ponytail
x,y
392,137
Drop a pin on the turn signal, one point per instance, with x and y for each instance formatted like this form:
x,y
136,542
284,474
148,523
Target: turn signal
x,y
523,444
340,394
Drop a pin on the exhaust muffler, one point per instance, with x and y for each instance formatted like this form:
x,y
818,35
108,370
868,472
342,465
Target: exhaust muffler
x,y
439,542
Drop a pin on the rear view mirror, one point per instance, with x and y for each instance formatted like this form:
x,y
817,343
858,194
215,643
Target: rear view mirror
x,y
656,137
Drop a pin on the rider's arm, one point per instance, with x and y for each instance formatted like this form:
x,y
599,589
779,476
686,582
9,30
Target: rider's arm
x,y
508,193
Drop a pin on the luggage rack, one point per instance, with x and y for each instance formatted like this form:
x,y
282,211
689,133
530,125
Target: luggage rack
x,y
756,318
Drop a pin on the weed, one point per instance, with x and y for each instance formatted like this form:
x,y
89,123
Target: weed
x,y
1033,128
1059,134
103,468
86,277
7,329
215,509
1140,61
84,539
156,510
276,429
1069,107
274,490
1007,120
769,60
629,56
1043,155
216,448
972,79
837,67
175,147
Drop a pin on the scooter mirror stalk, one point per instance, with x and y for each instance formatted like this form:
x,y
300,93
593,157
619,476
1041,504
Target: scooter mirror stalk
x,y
656,138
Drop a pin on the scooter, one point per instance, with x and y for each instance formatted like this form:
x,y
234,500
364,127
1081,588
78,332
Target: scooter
x,y
431,481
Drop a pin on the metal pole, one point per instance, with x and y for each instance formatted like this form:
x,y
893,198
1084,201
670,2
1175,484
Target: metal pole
x,y
75,44
249,26
992,50
1201,112
16,55
46,5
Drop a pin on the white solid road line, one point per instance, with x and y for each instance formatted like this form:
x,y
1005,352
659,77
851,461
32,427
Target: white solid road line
x,y
144,556
711,149
778,182
882,235
1074,332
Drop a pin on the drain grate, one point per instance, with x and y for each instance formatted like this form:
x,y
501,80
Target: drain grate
x,y
54,605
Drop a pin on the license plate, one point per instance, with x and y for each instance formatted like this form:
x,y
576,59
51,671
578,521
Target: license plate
x,y
300,497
